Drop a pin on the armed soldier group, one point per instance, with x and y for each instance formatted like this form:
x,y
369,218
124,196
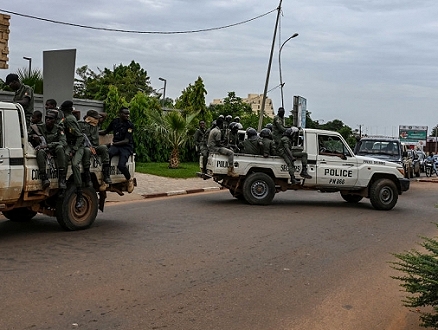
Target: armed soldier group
x,y
274,140
66,139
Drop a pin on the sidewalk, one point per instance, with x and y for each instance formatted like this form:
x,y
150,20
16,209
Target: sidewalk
x,y
149,186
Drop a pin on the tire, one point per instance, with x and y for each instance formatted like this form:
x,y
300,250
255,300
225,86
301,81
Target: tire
x,y
21,214
428,171
350,198
69,217
383,194
259,189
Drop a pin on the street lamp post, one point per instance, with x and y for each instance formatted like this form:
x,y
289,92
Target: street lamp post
x,y
279,66
164,90
30,62
268,72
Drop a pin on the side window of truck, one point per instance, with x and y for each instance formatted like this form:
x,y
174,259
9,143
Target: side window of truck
x,y
331,145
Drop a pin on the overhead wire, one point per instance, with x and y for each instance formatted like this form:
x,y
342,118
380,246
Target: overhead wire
x,y
135,31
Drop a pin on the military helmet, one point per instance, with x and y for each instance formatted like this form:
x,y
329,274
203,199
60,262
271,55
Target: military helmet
x,y
266,133
237,119
269,126
239,126
228,118
251,132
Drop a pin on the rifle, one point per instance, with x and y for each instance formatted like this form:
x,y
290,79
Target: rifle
x,y
88,144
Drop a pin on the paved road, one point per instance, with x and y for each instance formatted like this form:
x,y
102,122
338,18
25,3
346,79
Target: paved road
x,y
309,261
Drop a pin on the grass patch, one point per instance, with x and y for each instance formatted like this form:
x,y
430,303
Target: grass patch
x,y
184,171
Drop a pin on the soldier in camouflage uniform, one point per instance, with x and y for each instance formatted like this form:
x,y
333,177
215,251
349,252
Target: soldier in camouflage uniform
x,y
89,127
201,137
49,140
252,144
23,95
268,143
278,126
74,150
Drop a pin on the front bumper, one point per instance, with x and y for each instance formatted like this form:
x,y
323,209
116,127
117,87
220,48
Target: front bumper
x,y
404,184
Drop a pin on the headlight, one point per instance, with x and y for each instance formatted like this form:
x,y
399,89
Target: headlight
x,y
401,170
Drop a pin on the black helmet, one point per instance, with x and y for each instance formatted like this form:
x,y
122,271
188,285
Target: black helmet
x,y
266,133
290,131
233,127
239,126
237,119
269,126
228,118
221,116
287,132
251,132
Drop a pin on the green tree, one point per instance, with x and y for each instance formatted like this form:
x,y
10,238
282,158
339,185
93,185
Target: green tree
x,y
175,129
192,100
129,80
420,280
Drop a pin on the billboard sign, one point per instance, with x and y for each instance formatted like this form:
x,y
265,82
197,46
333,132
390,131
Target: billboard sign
x,y
300,111
413,134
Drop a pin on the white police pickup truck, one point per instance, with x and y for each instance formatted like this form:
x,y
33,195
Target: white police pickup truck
x,y
21,193
331,163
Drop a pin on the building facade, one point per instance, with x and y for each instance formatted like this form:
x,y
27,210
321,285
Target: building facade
x,y
255,101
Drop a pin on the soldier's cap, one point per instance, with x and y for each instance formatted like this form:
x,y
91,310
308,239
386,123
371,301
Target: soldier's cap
x,y
94,114
11,78
51,114
66,105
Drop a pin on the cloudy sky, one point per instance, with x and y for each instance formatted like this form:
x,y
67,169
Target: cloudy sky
x,y
366,62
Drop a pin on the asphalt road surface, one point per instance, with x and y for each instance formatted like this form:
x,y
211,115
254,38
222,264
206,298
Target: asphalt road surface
x,y
309,261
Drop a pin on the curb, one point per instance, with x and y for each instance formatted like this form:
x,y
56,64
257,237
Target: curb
x,y
428,180
180,192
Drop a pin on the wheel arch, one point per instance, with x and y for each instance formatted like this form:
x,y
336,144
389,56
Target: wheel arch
x,y
378,176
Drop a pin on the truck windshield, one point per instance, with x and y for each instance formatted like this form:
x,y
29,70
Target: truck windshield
x,y
380,148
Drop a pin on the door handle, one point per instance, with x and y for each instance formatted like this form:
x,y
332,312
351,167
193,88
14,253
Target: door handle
x,y
323,162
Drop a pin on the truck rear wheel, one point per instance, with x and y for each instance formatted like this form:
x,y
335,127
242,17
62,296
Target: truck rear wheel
x,y
383,194
71,218
21,214
350,198
259,189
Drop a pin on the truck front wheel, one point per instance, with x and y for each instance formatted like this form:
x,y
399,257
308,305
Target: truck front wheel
x,y
383,194
259,189
71,218
21,214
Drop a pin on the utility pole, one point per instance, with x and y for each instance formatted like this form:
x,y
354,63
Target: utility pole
x,y
269,68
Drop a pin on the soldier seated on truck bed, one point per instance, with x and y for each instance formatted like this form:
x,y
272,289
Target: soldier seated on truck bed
x,y
215,145
253,144
49,140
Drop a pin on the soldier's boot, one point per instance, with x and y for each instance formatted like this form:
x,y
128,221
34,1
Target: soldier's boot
x,y
87,178
61,179
293,180
80,203
304,173
44,180
231,172
106,173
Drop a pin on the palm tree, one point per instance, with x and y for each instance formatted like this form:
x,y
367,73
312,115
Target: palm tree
x,y
175,130
34,79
